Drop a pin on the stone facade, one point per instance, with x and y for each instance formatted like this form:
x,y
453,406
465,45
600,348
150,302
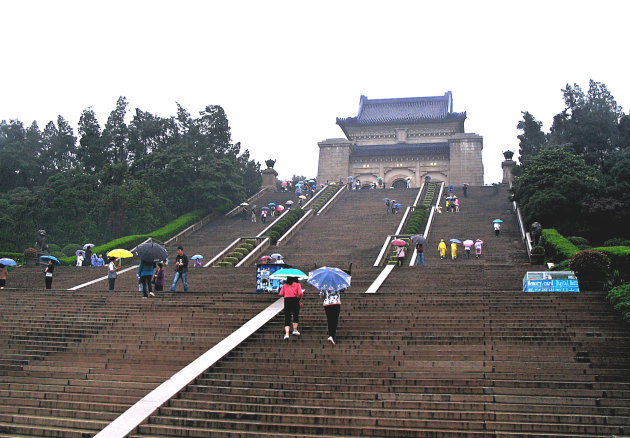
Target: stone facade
x,y
397,139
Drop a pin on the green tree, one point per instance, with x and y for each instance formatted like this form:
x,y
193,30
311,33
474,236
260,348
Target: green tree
x,y
116,133
552,187
532,140
90,153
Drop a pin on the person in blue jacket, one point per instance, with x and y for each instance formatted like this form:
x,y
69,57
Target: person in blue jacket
x,y
145,272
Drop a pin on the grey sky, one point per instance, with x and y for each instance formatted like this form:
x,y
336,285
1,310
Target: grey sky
x,y
283,70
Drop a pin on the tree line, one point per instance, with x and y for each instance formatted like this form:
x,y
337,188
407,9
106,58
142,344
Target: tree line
x,y
576,177
119,179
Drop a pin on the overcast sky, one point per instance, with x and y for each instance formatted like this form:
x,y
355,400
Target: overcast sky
x,y
284,70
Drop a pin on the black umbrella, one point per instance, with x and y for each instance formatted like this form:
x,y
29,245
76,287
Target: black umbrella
x,y
150,252
418,238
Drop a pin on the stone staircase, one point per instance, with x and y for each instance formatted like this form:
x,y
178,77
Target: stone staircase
x,y
452,349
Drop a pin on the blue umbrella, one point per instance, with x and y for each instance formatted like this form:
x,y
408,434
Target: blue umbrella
x,y
7,262
456,241
397,205
326,278
49,257
196,256
283,274
276,256
79,252
497,221
264,208
271,204
385,199
299,185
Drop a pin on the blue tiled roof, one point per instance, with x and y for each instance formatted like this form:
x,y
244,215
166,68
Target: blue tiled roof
x,y
400,149
405,110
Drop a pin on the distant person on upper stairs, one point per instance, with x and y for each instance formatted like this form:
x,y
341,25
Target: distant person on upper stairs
x,y
292,293
387,201
263,216
442,249
253,215
467,247
456,202
99,261
478,247
453,251
48,274
497,229
465,190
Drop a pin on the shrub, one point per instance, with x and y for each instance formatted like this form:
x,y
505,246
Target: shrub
x,y
557,247
30,252
243,251
590,266
620,299
580,242
54,248
619,258
416,221
234,254
71,248
251,242
224,264
562,266
231,260
18,257
247,246
616,241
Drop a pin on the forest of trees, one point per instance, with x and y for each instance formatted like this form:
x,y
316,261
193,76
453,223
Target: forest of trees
x,y
119,179
576,177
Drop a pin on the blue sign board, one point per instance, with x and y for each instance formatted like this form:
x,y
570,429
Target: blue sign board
x,y
550,281
263,282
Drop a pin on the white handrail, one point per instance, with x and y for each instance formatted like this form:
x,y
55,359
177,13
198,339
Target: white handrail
x,y
402,220
377,262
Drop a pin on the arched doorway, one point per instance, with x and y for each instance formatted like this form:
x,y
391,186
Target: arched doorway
x,y
399,184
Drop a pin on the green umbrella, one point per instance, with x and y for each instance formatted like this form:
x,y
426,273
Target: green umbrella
x,y
283,274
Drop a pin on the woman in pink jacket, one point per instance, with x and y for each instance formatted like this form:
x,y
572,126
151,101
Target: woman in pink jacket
x,y
292,293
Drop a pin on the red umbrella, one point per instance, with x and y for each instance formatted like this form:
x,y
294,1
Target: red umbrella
x,y
399,242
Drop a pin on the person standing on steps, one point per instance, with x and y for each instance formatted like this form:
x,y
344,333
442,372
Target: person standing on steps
x,y
158,277
145,273
332,307
442,249
420,251
292,293
112,272
465,190
48,274
3,276
453,251
497,229
400,255
478,244
181,269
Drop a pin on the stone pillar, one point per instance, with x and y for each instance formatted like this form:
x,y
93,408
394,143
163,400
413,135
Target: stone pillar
x,y
508,167
269,178
465,163
334,160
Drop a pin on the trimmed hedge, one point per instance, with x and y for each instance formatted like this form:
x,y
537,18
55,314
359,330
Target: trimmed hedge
x,y
580,242
324,197
283,225
619,258
17,256
620,299
557,247
166,232
416,221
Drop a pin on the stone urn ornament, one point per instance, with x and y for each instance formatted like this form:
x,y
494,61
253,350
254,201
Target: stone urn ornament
x,y
508,155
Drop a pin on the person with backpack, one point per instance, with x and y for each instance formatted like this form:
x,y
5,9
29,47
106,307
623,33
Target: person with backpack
x,y
420,251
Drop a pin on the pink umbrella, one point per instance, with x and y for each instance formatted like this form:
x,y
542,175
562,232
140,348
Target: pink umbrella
x,y
468,243
279,208
399,242
283,183
265,258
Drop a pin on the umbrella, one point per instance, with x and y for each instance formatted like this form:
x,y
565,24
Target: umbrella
x,y
456,241
120,253
264,208
7,262
497,221
399,242
243,204
480,241
149,252
449,198
79,252
299,185
49,257
289,202
326,278
408,178
196,257
302,197
468,242
279,208
311,180
276,256
397,205
271,204
88,245
283,274
380,178
265,258
466,184
283,183
350,178
322,185
385,199
419,238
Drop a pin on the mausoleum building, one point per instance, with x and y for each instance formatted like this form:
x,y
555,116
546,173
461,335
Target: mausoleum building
x,y
402,140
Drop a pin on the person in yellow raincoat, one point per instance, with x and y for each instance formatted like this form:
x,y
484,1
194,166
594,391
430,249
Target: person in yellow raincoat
x,y
453,250
442,249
